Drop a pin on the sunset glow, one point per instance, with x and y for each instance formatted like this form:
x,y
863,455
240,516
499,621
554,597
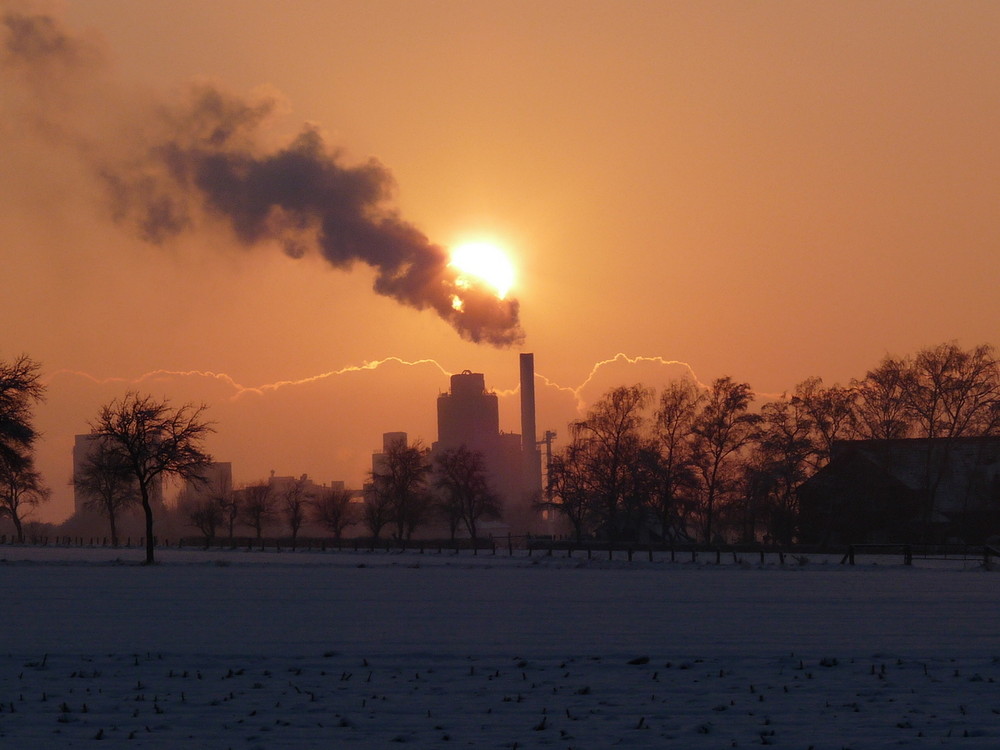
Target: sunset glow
x,y
484,262
226,208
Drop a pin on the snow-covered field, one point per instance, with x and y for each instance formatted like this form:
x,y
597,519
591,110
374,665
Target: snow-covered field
x,y
237,649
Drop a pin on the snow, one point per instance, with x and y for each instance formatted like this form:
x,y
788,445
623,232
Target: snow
x,y
256,649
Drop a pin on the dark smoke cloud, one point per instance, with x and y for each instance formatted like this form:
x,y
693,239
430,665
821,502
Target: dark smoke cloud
x,y
201,161
35,42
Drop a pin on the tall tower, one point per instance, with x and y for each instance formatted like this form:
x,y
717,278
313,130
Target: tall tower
x,y
531,457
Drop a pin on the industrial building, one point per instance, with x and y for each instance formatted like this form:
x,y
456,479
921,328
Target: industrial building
x,y
469,415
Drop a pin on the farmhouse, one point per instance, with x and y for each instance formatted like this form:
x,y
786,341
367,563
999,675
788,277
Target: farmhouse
x,y
913,490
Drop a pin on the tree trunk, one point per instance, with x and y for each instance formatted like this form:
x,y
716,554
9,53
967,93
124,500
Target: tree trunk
x,y
148,511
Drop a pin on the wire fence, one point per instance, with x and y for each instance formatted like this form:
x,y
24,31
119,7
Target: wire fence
x,y
547,547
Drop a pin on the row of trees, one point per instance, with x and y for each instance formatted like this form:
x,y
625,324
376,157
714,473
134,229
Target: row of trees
x,y
408,489
693,462
218,508
138,441
702,463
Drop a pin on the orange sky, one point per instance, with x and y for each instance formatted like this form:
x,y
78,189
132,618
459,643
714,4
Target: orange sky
x,y
767,190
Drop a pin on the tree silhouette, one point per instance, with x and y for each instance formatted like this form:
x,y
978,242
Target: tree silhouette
x,y
334,511
460,475
20,388
106,483
399,484
21,490
257,506
154,440
721,429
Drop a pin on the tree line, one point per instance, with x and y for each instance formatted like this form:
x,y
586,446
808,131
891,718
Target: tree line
x,y
137,441
701,464
691,463
408,489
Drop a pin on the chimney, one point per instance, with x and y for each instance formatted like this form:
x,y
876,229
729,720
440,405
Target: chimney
x,y
531,457
528,439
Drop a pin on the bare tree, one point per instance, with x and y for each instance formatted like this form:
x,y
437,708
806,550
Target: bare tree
x,y
295,501
334,511
881,410
400,482
450,511
208,505
21,490
108,485
670,460
206,515
376,511
20,389
613,428
460,474
257,506
832,414
154,440
723,427
570,487
953,392
783,457
231,508
21,486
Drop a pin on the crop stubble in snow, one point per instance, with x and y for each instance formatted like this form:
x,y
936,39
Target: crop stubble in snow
x,y
369,651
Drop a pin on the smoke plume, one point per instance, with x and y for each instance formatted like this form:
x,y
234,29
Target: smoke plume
x,y
202,160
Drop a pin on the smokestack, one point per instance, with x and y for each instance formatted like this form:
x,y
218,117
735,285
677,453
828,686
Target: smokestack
x,y
528,439
530,455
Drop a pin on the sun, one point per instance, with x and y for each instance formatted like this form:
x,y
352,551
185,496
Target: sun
x,y
485,262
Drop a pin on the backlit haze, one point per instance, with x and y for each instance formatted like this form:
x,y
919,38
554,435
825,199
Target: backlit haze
x,y
251,205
